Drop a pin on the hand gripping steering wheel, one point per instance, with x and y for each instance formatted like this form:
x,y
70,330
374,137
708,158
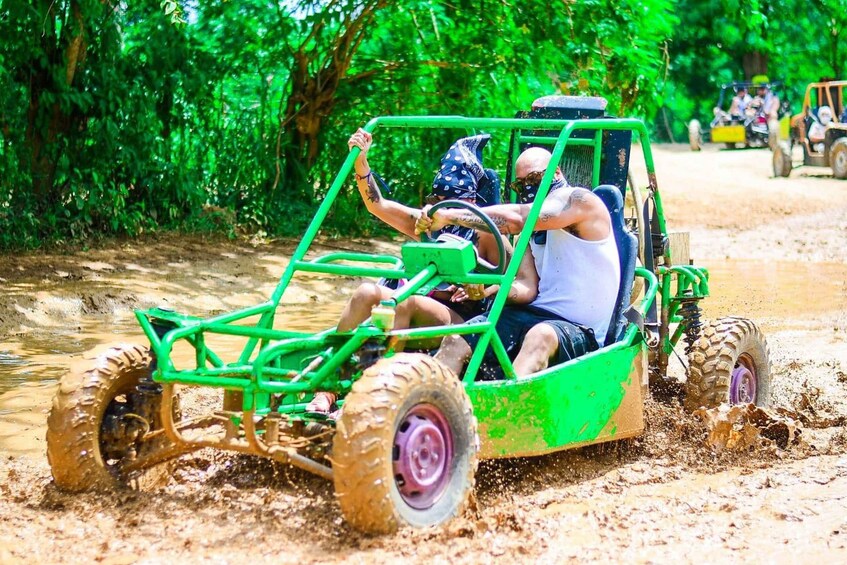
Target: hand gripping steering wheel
x,y
482,264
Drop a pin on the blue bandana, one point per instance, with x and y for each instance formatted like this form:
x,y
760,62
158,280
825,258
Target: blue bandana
x,y
527,196
461,168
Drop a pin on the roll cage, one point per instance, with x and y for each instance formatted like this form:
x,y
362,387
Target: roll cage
x,y
291,364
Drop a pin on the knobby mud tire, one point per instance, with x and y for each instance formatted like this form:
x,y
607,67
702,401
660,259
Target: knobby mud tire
x,y
73,426
695,134
838,158
782,160
714,356
364,444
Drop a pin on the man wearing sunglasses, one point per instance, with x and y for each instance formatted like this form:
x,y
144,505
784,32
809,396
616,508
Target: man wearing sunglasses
x,y
576,259
459,177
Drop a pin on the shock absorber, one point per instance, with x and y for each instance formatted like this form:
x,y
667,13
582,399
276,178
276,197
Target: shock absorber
x,y
690,311
148,393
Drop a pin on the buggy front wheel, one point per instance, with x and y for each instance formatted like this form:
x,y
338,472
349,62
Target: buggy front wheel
x,y
99,419
405,447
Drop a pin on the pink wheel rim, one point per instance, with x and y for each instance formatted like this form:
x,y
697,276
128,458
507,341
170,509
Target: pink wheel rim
x,y
742,388
423,456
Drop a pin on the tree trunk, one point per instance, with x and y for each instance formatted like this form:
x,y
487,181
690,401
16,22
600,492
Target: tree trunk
x,y
312,87
755,63
45,125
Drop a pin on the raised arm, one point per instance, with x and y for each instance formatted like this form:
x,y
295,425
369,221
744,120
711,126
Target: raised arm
x,y
400,217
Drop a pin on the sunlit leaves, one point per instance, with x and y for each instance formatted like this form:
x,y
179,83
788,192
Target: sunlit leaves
x,y
174,10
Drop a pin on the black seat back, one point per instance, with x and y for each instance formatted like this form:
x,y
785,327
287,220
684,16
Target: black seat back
x,y
578,161
627,252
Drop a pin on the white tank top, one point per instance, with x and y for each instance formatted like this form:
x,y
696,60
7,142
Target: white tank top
x,y
579,279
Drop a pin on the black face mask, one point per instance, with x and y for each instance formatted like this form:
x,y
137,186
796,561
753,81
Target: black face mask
x,y
527,192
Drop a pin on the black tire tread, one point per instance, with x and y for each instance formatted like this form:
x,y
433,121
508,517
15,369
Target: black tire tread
x,y
712,359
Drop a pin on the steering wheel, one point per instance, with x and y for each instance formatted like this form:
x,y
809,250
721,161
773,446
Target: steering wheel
x,y
482,264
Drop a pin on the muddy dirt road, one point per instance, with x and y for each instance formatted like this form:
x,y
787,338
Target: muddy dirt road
x,y
777,250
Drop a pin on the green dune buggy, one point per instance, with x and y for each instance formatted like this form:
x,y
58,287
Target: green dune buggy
x,y
405,448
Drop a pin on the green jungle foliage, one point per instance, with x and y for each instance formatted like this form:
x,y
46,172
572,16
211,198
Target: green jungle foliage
x,y
124,118
720,41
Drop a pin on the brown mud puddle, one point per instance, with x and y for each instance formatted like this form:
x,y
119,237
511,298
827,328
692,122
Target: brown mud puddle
x,y
778,295
664,497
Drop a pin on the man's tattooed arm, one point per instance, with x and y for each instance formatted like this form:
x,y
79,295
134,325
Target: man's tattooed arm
x,y
372,192
555,206
471,220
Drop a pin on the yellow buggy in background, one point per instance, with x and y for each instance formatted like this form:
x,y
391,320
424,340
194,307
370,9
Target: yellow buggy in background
x,y
749,128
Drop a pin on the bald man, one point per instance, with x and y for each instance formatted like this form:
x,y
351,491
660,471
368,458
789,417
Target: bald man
x,y
576,258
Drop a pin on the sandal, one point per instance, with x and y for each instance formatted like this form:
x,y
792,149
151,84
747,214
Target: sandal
x,y
322,403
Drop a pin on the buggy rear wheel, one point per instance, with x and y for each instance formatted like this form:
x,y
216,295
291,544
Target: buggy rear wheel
x,y
695,134
97,419
405,447
782,160
729,362
838,158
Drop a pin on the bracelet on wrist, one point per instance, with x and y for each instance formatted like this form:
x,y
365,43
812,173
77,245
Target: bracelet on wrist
x,y
364,177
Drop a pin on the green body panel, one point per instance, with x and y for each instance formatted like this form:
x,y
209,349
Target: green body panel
x,y
785,127
451,258
571,404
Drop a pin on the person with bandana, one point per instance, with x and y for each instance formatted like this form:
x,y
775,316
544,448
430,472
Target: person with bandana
x,y
460,176
575,255
817,132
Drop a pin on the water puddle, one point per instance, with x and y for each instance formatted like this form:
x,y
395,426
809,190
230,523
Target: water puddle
x,y
777,295
65,320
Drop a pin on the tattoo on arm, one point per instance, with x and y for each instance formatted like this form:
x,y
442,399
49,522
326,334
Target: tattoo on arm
x,y
577,196
372,193
469,220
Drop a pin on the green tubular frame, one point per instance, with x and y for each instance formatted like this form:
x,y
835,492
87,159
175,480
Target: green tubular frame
x,y
261,374
692,283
